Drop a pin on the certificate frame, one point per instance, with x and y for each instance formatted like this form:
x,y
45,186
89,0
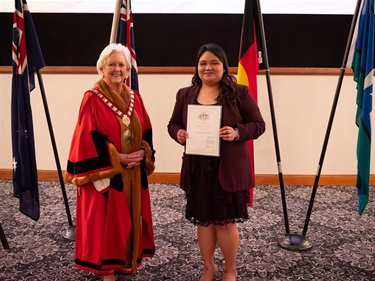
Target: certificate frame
x,y
203,125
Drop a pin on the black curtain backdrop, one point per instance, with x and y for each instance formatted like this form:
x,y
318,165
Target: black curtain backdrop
x,y
173,39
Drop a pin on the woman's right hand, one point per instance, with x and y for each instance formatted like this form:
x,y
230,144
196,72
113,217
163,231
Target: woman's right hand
x,y
182,135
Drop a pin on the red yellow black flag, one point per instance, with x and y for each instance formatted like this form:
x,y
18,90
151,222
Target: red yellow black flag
x,y
250,61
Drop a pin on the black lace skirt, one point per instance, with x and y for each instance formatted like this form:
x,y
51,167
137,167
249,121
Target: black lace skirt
x,y
207,202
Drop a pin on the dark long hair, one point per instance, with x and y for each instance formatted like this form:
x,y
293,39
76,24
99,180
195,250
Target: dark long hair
x,y
228,90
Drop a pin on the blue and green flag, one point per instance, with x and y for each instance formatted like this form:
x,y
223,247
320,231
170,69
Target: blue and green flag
x,y
363,67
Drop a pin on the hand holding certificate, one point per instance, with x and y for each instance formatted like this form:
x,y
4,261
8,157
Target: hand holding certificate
x,y
203,124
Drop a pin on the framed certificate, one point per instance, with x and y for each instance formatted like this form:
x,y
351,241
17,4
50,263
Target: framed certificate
x,y
203,125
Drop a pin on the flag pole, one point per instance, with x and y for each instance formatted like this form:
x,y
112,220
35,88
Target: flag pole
x,y
70,234
296,244
334,105
273,118
115,21
3,238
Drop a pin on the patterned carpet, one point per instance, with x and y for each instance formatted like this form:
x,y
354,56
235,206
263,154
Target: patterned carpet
x,y
343,242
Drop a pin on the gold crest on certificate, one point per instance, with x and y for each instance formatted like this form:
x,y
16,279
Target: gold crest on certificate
x,y
203,125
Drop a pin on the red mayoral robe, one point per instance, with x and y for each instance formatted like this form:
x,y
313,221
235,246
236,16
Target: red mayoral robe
x,y
113,202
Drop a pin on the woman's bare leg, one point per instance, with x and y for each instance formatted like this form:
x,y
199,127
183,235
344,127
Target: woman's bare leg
x,y
228,239
207,244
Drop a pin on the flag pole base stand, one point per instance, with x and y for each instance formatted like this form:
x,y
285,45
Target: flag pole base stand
x,y
295,242
70,233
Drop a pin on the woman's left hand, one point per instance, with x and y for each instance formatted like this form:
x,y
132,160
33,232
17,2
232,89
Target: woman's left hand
x,y
133,159
227,133
182,135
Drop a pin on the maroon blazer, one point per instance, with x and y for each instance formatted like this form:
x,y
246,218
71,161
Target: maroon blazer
x,y
234,169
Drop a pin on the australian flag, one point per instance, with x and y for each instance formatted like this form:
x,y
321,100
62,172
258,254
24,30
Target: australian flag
x,y
125,36
26,59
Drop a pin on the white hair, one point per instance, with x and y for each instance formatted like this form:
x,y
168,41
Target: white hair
x,y
107,51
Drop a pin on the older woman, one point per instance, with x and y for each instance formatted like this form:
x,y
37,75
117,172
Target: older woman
x,y
216,187
110,157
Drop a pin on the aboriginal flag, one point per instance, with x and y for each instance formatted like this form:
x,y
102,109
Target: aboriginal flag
x,y
26,59
250,61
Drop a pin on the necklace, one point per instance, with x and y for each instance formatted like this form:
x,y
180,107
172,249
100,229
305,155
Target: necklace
x,y
127,135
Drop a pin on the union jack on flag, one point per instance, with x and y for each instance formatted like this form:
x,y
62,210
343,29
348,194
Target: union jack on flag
x,y
26,59
19,45
125,36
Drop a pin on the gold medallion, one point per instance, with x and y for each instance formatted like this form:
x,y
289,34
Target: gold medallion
x,y
127,135
126,120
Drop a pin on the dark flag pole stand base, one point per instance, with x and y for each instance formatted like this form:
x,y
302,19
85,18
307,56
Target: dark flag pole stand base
x,y
295,242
